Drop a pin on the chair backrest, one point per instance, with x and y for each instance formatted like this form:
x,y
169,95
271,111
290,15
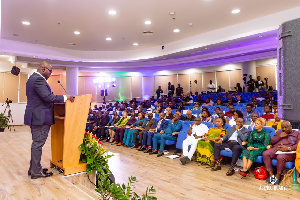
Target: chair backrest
x,y
186,125
208,124
226,126
270,130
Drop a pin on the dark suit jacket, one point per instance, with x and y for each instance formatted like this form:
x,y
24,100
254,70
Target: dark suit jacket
x,y
163,125
103,121
243,135
40,99
149,124
172,88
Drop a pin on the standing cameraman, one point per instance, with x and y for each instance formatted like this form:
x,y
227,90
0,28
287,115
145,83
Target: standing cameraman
x,y
250,84
259,84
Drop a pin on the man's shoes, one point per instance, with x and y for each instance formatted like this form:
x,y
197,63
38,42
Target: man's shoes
x,y
115,142
184,160
44,171
153,152
142,149
134,147
217,166
160,153
148,150
41,175
276,181
119,144
230,171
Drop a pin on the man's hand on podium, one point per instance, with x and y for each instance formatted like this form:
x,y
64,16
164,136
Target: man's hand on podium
x,y
71,98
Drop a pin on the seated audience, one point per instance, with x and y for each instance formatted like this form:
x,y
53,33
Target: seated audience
x,y
238,88
178,112
229,98
139,124
239,100
195,133
120,129
276,123
260,97
205,116
248,112
148,125
205,147
285,140
274,107
169,114
220,114
230,113
258,141
131,121
237,114
169,133
220,89
197,106
234,140
266,102
189,116
208,102
102,122
268,114
251,123
181,107
158,109
148,135
111,130
219,103
92,121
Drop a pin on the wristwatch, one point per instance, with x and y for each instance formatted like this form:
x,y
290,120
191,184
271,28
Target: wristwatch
x,y
289,148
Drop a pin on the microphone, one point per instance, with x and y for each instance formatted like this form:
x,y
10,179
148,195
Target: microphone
x,y
62,86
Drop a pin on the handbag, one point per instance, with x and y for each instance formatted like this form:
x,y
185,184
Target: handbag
x,y
290,178
261,173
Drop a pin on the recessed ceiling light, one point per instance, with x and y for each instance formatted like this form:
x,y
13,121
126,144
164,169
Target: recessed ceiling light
x,y
108,39
26,23
190,24
172,13
148,22
176,30
112,12
260,36
76,32
235,11
135,44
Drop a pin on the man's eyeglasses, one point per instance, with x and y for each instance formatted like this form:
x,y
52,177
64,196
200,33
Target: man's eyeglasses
x,y
50,70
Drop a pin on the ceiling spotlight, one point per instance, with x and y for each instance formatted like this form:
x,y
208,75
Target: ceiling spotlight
x,y
76,32
107,85
176,30
112,12
147,22
260,36
26,23
108,39
99,86
113,85
135,44
113,79
190,24
235,11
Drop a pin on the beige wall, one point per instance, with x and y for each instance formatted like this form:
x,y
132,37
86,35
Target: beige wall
x,y
206,78
23,81
196,87
235,77
11,85
184,80
267,72
223,80
137,86
149,89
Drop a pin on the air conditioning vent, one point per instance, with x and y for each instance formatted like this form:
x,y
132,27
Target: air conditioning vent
x,y
147,33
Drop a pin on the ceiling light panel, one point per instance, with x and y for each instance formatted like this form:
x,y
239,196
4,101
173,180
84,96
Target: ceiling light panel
x,y
112,12
235,11
27,23
147,22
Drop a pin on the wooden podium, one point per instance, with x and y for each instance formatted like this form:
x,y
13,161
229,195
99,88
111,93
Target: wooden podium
x,y
67,134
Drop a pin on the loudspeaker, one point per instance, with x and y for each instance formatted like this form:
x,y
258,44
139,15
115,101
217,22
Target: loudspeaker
x,y
15,70
288,70
102,93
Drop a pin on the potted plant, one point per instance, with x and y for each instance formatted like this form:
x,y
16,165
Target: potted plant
x,y
3,122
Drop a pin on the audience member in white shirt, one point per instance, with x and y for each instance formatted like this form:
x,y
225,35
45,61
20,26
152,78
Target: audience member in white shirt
x,y
195,133
211,87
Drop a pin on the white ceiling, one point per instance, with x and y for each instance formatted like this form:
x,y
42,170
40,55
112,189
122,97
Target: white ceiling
x,y
226,36
54,21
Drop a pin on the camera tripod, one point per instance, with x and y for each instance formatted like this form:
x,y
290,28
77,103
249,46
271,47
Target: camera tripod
x,y
9,115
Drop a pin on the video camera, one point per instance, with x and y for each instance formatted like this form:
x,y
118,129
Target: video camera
x,y
8,101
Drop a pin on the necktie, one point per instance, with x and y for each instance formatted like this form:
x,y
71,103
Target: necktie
x,y
158,125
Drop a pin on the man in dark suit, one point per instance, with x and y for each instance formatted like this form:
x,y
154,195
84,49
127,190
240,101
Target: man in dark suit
x,y
234,140
39,115
147,137
171,89
148,125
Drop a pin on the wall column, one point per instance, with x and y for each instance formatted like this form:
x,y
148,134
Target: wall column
x,y
248,68
72,80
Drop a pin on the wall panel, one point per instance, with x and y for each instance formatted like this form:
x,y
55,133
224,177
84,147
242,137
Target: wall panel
x,y
223,80
149,86
206,77
137,87
196,87
81,85
56,88
1,87
90,88
11,85
23,81
125,88
235,77
184,80
267,72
